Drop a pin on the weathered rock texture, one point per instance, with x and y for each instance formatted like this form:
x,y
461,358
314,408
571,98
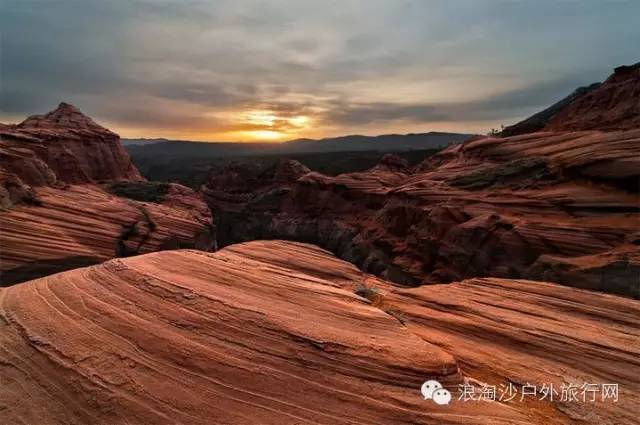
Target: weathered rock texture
x,y
558,206
57,209
64,146
519,331
615,105
539,120
273,333
522,207
612,105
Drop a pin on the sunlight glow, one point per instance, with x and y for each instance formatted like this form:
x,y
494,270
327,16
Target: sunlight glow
x,y
266,118
299,121
264,135
268,125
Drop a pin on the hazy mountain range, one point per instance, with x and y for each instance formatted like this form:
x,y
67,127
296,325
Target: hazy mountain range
x,y
386,142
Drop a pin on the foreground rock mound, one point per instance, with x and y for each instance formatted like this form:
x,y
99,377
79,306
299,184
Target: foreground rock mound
x,y
556,206
70,196
273,333
517,331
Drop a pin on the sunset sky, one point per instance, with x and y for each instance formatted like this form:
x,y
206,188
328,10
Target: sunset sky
x,y
234,70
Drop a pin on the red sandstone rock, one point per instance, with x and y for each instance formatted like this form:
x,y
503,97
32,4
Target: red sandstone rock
x,y
612,105
489,207
505,331
289,171
272,333
55,217
615,105
84,224
539,205
74,148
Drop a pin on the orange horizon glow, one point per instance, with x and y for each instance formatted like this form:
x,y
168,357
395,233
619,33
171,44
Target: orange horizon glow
x,y
315,130
265,135
241,126
268,125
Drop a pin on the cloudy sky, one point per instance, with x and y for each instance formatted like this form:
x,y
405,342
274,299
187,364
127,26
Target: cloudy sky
x,y
281,69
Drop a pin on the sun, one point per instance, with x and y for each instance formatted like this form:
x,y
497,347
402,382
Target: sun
x,y
301,121
269,125
265,135
263,118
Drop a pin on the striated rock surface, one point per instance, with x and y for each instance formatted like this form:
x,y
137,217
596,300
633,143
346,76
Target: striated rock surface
x,y
615,105
612,105
274,333
504,331
539,120
71,145
537,206
490,207
84,224
70,196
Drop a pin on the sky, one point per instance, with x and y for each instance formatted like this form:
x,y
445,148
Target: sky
x,y
253,70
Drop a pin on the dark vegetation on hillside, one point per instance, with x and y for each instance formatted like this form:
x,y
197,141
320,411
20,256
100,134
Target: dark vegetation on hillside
x,y
140,191
193,171
519,173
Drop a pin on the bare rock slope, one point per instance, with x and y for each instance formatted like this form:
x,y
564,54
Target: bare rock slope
x,y
70,196
615,105
273,333
612,105
67,146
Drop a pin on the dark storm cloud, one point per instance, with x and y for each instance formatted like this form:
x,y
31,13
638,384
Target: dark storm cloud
x,y
173,63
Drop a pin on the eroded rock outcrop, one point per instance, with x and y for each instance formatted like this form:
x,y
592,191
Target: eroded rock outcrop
x,y
525,206
612,105
615,105
70,196
490,207
71,145
539,120
274,333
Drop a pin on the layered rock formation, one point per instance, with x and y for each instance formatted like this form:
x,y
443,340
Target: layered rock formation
x,y
615,105
64,146
612,105
59,203
556,205
536,333
516,207
273,333
539,120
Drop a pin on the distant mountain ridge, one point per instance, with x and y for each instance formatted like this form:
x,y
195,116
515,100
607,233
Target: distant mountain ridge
x,y
142,142
350,143
357,142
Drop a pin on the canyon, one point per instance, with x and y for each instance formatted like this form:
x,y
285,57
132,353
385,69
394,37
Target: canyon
x,y
558,205
285,296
